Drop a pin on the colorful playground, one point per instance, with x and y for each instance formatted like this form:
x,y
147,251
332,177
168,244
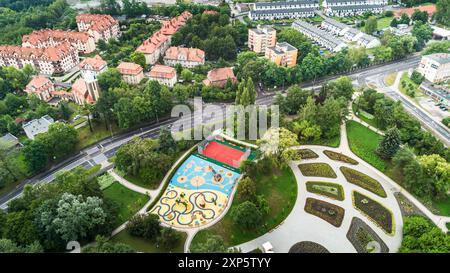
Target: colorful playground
x,y
200,189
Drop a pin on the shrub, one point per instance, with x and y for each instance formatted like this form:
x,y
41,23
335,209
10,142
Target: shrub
x,y
145,226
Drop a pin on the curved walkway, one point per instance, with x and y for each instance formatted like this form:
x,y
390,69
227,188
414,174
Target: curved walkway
x,y
302,226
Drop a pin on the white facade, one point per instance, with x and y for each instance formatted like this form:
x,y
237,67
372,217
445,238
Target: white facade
x,y
283,9
319,36
349,33
435,67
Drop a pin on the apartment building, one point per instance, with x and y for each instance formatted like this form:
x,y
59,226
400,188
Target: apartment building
x,y
319,36
294,9
91,67
49,61
342,8
186,57
42,87
99,26
282,54
165,75
131,73
350,34
44,38
435,67
155,46
261,37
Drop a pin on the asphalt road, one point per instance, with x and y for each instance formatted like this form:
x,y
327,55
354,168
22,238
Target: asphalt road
x,y
106,149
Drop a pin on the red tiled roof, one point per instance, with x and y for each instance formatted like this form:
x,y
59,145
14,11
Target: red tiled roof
x,y
37,82
221,74
430,9
162,71
129,68
79,89
50,53
189,54
98,22
96,63
46,34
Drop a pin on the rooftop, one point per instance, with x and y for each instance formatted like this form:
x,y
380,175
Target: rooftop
x,y
162,71
95,63
442,58
129,68
189,54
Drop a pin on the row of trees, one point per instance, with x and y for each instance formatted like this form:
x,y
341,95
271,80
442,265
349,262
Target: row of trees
x,y
392,114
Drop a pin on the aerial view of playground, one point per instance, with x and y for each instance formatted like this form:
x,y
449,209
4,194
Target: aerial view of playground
x,y
200,189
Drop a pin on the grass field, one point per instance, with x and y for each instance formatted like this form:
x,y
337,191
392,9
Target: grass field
x,y
145,245
128,201
443,206
364,142
364,116
280,190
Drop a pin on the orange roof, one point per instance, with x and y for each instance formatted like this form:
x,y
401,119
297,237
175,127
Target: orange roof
x,y
60,35
211,12
151,44
430,9
221,74
162,71
36,83
168,28
98,22
96,63
189,54
129,68
53,54
79,89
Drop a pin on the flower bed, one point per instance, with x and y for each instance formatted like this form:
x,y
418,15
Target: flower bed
x,y
317,169
364,181
340,157
308,247
326,211
331,190
376,212
362,237
307,154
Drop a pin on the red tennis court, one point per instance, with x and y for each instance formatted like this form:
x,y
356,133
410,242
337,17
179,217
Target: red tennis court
x,y
223,153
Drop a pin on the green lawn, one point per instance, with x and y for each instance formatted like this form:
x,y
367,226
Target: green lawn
x,y
87,138
443,206
128,201
364,116
145,245
390,79
364,142
280,190
139,181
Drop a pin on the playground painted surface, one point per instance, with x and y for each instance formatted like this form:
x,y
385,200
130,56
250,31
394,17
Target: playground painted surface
x,y
194,196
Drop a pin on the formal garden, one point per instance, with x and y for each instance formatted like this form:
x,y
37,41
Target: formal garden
x,y
332,190
375,211
317,170
362,237
331,213
362,180
340,157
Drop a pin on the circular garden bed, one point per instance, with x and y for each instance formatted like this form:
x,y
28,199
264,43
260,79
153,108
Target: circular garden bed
x,y
308,247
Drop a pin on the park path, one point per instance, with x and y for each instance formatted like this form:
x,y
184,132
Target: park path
x,y
286,233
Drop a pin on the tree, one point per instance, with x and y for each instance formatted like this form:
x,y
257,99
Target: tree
x,y
438,169
371,25
422,236
8,246
246,190
437,47
342,87
390,143
421,16
213,244
246,215
77,217
187,75
306,131
169,238
423,33
111,78
443,12
103,246
138,58
145,226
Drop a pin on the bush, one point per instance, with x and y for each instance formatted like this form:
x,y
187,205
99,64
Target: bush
x,y
246,190
145,226
246,215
